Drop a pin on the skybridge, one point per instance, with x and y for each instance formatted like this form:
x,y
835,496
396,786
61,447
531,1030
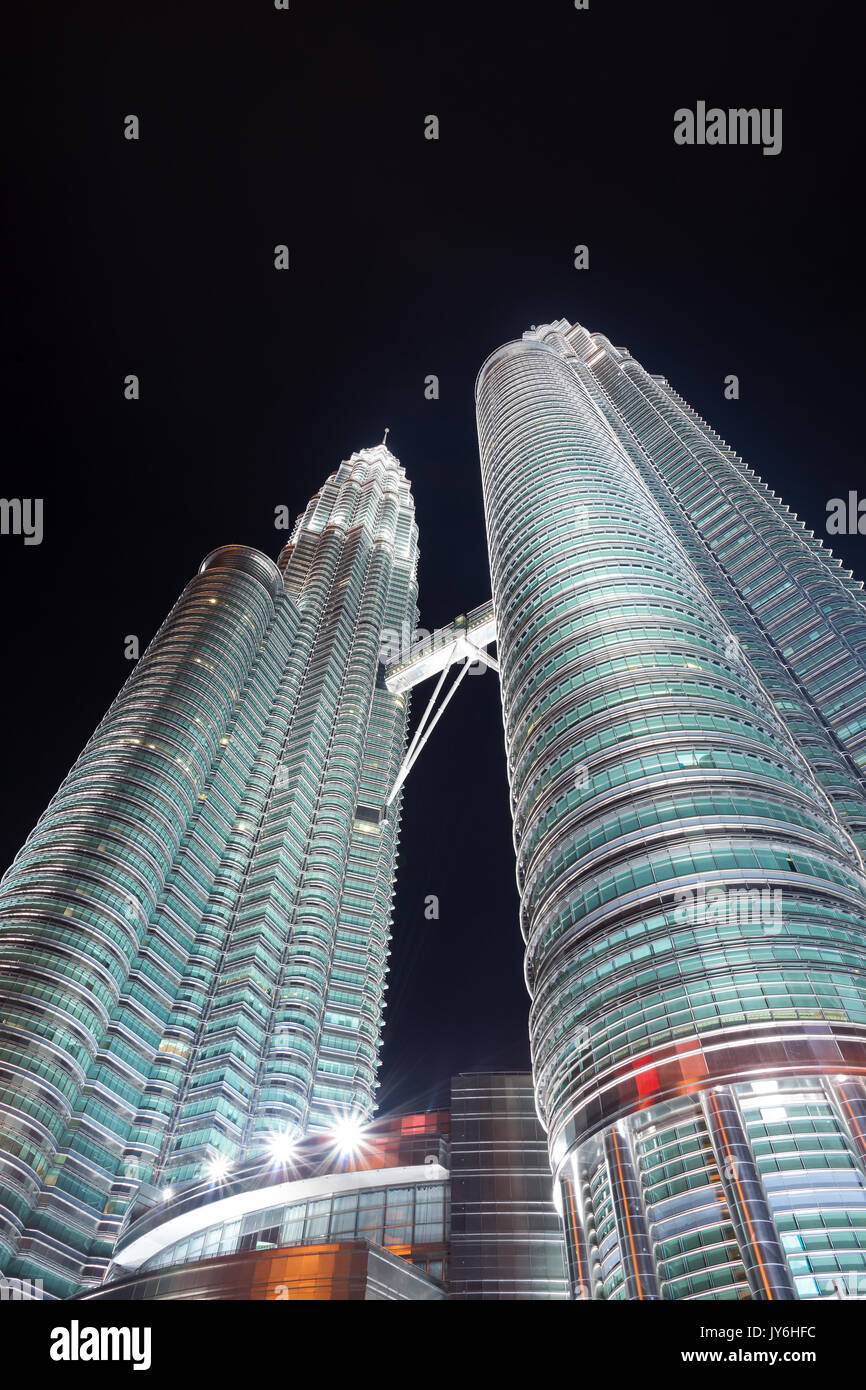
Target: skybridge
x,y
461,643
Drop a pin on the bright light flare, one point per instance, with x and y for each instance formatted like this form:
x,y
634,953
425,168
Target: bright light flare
x,y
282,1147
218,1168
348,1135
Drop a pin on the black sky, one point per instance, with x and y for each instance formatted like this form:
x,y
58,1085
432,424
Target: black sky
x,y
409,257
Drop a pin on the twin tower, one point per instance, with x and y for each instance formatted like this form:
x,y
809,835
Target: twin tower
x,y
194,939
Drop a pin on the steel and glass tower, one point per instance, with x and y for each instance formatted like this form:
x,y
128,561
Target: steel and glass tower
x,y
683,674
194,938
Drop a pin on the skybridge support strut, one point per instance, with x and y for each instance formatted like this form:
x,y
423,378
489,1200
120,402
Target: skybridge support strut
x,y
464,640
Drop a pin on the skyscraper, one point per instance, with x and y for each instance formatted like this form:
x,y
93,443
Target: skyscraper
x,y
683,676
194,938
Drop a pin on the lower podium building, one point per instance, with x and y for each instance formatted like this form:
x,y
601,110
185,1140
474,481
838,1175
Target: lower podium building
x,y
446,1204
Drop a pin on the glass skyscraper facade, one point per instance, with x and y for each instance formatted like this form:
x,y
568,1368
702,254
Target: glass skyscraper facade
x,y
194,938
683,674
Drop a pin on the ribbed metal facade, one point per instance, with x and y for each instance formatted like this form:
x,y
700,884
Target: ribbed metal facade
x,y
194,938
506,1239
683,683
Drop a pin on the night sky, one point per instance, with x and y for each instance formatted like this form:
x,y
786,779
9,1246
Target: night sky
x,y
409,257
